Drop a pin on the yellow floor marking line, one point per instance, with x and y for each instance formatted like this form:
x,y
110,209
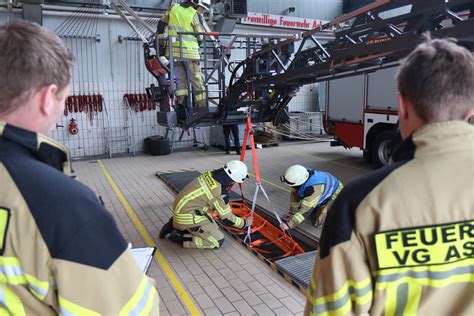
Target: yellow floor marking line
x,y
325,160
250,174
150,243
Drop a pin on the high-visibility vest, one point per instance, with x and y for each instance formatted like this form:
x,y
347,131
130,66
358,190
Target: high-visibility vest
x,y
329,181
181,20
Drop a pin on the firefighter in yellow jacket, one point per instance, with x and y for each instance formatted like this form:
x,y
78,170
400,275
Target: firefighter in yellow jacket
x,y
61,252
184,17
400,240
192,224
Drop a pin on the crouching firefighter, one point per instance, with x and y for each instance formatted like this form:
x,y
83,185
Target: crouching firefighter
x,y
192,224
311,194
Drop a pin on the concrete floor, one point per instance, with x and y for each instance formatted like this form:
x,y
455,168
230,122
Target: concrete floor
x,y
227,281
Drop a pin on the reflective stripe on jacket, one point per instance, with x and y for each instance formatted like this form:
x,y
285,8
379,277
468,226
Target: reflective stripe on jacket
x,y
193,204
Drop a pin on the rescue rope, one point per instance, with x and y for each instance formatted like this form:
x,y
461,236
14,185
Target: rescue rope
x,y
295,134
249,134
297,121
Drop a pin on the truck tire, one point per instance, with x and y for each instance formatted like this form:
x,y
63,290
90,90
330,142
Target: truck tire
x,y
367,154
381,148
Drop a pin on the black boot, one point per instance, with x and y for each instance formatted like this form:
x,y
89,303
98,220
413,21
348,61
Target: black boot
x,y
197,116
177,236
180,110
166,229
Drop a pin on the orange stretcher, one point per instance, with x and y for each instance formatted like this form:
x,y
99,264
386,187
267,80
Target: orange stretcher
x,y
268,240
265,238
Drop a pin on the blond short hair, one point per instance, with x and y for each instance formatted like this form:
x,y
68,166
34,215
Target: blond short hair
x,y
438,79
31,57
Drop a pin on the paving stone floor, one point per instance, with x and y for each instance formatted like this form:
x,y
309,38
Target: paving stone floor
x,y
230,280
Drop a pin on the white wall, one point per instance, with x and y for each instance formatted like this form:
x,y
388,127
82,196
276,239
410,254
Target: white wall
x,y
312,9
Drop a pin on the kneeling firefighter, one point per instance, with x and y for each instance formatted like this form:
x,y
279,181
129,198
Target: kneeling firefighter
x,y
192,224
312,192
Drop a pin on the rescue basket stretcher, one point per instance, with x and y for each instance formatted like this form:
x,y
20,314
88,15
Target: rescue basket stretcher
x,y
266,239
293,259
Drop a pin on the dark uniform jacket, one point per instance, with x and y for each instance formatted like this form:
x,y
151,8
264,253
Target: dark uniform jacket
x,y
60,250
400,240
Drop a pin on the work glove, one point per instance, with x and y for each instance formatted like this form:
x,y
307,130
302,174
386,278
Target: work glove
x,y
249,221
284,226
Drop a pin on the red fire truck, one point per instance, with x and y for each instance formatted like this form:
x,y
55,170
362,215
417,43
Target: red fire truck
x,y
361,112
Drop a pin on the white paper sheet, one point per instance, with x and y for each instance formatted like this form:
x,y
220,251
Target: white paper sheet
x,y
143,257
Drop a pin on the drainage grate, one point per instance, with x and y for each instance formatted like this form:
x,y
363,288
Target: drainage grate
x,y
299,268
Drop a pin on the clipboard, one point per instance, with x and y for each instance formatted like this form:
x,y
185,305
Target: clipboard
x,y
144,257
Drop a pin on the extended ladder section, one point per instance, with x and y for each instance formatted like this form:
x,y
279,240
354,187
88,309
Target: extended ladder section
x,y
374,37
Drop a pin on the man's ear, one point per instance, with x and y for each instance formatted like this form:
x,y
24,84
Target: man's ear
x,y
48,99
402,107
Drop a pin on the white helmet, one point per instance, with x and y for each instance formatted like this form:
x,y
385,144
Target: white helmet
x,y
236,170
206,4
295,175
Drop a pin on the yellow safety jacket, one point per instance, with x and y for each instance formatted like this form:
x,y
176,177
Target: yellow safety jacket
x,y
400,240
192,205
183,19
60,250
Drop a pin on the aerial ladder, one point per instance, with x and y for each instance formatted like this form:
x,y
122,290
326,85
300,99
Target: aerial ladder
x,y
366,40
375,37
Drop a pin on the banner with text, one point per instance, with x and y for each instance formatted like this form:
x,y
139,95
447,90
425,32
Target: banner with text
x,y
283,21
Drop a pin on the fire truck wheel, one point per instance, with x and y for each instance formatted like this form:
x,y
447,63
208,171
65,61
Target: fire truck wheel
x,y
382,148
